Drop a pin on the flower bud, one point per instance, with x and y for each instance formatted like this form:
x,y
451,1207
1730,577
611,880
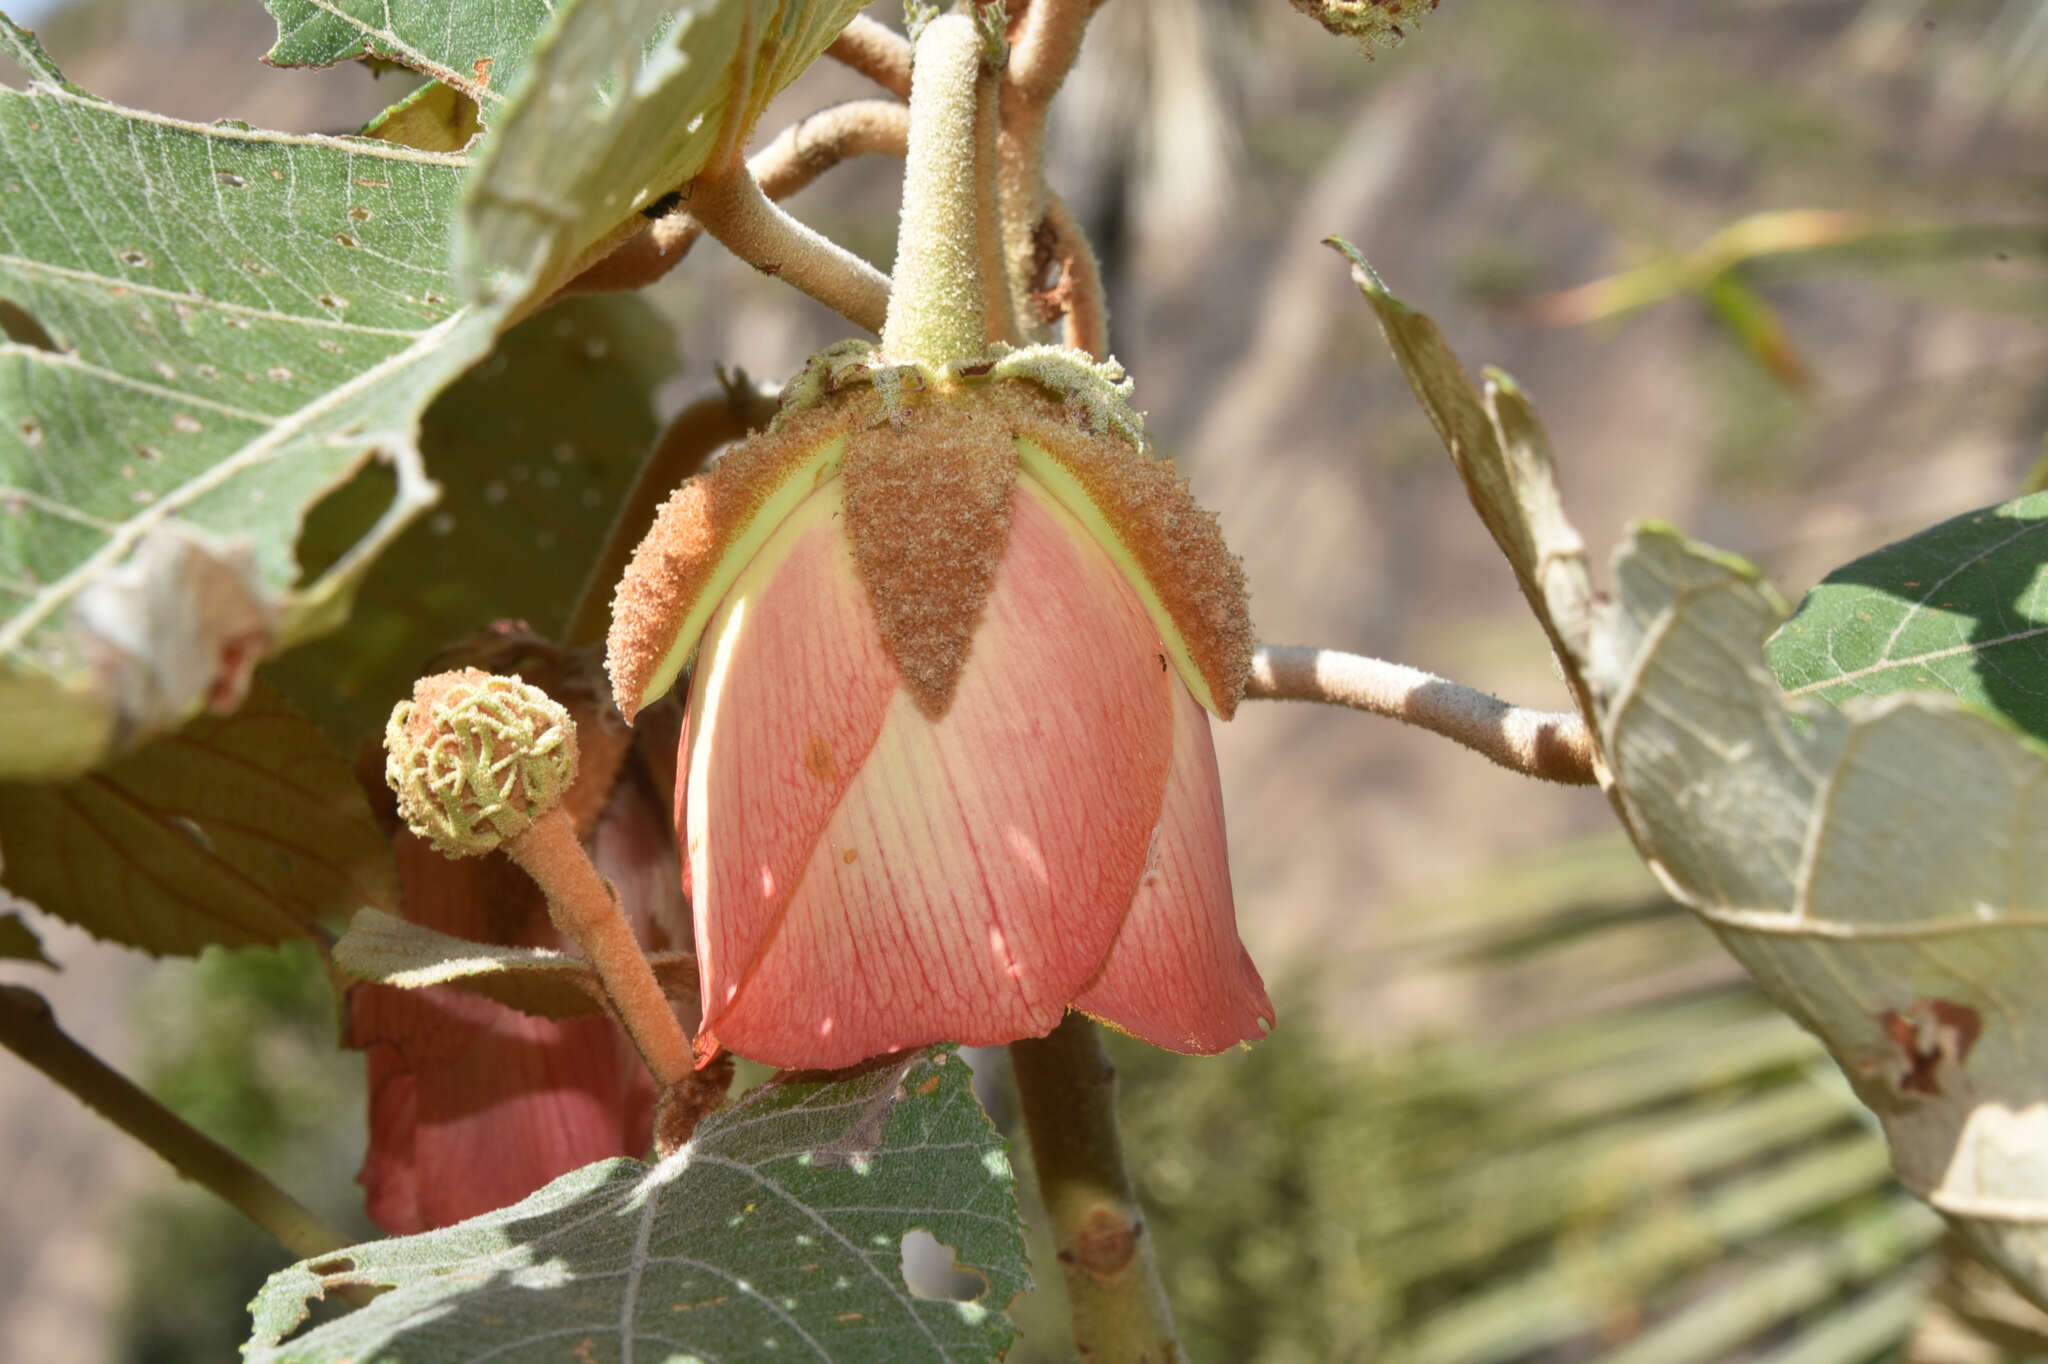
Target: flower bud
x,y
475,758
1375,23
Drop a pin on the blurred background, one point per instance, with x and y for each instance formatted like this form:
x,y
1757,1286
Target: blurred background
x,y
1519,1106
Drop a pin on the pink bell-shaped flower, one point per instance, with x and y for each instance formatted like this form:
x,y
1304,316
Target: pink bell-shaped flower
x,y
947,771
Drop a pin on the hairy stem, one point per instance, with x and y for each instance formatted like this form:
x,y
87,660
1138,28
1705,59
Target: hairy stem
x,y
876,51
1067,1089
937,310
799,154
697,431
29,1029
733,209
1079,295
586,908
1552,745
988,212
1043,46
817,142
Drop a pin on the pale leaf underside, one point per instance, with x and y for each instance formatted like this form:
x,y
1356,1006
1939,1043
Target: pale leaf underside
x,y
1881,869
564,169
775,1233
481,50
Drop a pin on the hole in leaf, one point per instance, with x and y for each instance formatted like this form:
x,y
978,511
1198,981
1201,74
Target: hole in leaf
x,y
21,327
334,1264
931,1270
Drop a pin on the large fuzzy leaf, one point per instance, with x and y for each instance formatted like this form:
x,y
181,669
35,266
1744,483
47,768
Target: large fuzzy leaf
x,y
564,168
236,320
1879,868
1961,607
237,829
776,1232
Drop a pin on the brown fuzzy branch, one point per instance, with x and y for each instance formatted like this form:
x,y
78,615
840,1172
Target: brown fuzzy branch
x,y
733,209
817,142
988,212
1044,42
876,51
799,154
1552,745
1078,297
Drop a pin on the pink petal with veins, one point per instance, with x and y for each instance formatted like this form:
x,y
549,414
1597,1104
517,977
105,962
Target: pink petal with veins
x,y
1178,976
474,1105
869,880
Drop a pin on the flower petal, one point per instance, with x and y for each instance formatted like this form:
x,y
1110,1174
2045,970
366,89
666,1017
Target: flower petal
x,y
1168,548
972,872
474,1105
1178,976
790,692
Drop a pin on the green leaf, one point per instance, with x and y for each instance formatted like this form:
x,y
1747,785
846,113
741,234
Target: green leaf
x,y
535,448
18,942
238,829
388,950
564,168
481,50
1878,868
243,319
1961,607
775,1232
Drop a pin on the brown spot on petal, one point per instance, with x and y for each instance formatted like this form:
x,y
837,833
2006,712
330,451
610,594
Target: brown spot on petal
x,y
820,760
691,533
928,516
1177,543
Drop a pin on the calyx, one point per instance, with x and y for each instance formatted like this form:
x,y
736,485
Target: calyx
x,y
929,458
